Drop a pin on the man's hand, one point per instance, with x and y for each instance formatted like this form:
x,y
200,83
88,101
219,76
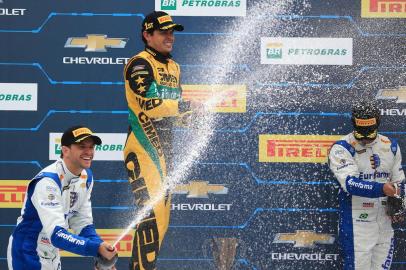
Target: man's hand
x,y
389,190
107,251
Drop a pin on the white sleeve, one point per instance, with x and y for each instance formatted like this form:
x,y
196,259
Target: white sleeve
x,y
344,167
47,200
397,172
342,164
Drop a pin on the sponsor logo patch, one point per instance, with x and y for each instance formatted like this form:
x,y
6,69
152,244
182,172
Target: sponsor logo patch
x,y
383,8
12,193
295,148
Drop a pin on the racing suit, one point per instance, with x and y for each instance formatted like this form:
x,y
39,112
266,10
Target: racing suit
x,y
55,200
153,95
366,233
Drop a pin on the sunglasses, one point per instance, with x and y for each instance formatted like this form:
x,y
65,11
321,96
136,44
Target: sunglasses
x,y
360,136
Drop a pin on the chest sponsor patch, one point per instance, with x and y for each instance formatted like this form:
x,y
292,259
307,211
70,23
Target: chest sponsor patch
x,y
73,198
368,205
359,152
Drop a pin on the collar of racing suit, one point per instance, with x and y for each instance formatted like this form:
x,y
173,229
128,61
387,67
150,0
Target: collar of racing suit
x,y
64,174
157,55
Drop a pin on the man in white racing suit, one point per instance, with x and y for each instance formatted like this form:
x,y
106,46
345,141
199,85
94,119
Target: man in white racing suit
x,y
367,165
58,198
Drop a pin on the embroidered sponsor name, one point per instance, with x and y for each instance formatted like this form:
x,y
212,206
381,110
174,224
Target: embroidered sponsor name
x,y
70,238
388,261
50,204
352,183
366,176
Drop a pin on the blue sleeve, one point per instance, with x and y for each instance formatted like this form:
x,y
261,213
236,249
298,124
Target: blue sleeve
x,y
90,232
358,187
65,240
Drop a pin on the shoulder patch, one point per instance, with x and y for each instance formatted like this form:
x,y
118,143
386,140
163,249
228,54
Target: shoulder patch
x,y
393,146
89,178
347,146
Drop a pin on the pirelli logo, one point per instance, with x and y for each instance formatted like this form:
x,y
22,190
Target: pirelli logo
x,y
123,247
295,148
220,98
12,193
383,8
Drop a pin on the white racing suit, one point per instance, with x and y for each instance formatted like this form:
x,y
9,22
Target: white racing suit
x,y
55,201
366,233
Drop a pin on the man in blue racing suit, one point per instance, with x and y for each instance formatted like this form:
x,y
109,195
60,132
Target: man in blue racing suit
x,y
368,168
58,198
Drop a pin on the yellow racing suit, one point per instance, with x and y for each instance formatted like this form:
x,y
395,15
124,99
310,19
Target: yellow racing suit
x,y
153,95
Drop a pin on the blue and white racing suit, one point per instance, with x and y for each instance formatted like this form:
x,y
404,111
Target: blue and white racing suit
x,y
56,200
366,233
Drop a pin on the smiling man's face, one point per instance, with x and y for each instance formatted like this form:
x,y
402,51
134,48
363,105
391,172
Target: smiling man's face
x,y
79,156
161,40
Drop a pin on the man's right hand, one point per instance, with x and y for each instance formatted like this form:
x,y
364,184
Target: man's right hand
x,y
389,190
107,251
394,189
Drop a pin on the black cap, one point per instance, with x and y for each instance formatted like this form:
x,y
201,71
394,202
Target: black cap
x,y
365,119
159,20
77,134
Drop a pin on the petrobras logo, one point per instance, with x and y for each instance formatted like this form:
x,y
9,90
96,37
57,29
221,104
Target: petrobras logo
x,y
383,9
200,190
304,239
12,193
202,7
124,246
221,98
18,96
95,43
295,148
306,51
111,149
274,50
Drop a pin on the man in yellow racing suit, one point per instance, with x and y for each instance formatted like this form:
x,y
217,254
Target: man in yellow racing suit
x,y
154,98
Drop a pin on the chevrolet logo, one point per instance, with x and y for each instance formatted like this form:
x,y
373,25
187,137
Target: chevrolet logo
x,y
303,238
397,94
95,43
200,189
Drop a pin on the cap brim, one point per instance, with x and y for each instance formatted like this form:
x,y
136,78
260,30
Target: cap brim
x,y
174,26
95,138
